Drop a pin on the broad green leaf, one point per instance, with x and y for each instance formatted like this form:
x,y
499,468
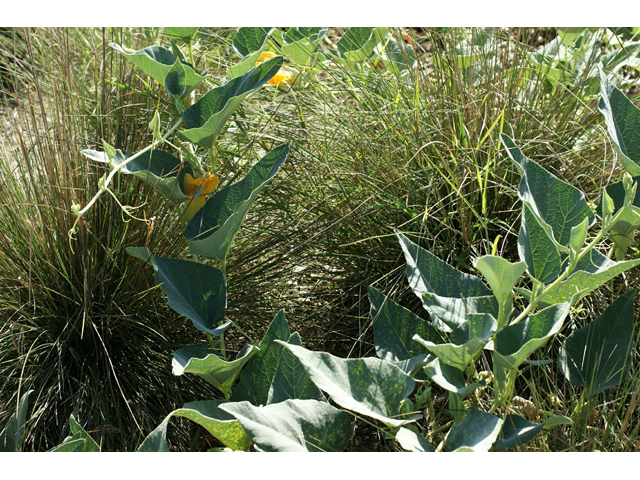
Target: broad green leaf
x,y
514,343
557,203
450,378
413,442
142,253
13,433
206,118
518,431
623,230
394,327
158,168
208,365
622,118
599,355
444,291
175,83
625,222
78,432
537,248
208,415
186,34
291,380
247,40
467,341
413,366
156,441
451,312
293,425
500,274
592,271
368,386
301,44
257,376
475,433
158,61
70,444
357,43
295,34
578,237
212,230
217,422
194,290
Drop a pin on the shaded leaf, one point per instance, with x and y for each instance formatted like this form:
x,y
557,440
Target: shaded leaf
x,y
205,118
247,40
558,204
599,355
475,433
208,365
194,290
212,230
13,433
537,248
450,378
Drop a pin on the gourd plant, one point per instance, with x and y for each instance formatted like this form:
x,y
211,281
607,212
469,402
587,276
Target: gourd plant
x,y
279,396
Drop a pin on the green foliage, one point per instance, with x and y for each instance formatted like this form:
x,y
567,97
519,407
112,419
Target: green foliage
x,y
12,435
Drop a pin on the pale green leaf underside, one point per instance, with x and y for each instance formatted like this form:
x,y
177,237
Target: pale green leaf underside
x,y
475,433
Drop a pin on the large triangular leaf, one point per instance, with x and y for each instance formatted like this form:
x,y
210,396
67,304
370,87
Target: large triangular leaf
x,y
475,433
205,118
294,425
394,327
445,292
368,386
291,380
156,441
622,118
212,230
208,365
247,40
257,376
194,290
599,355
13,433
450,378
357,43
158,168
501,275
514,343
558,204
518,431
157,61
467,341
590,272
537,248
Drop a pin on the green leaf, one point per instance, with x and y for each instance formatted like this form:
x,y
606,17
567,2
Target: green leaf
x,y
514,343
208,365
394,327
142,253
70,444
475,433
537,248
257,376
158,168
467,341
357,43
301,44
13,433
212,230
622,118
186,34
599,355
294,425
194,290
247,40
156,440
175,83
413,442
368,386
217,422
518,431
592,271
78,432
291,380
157,62
205,118
500,274
557,203
396,56
444,291
450,378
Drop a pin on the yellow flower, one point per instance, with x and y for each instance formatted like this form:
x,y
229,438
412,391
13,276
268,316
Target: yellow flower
x,y
198,189
285,76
